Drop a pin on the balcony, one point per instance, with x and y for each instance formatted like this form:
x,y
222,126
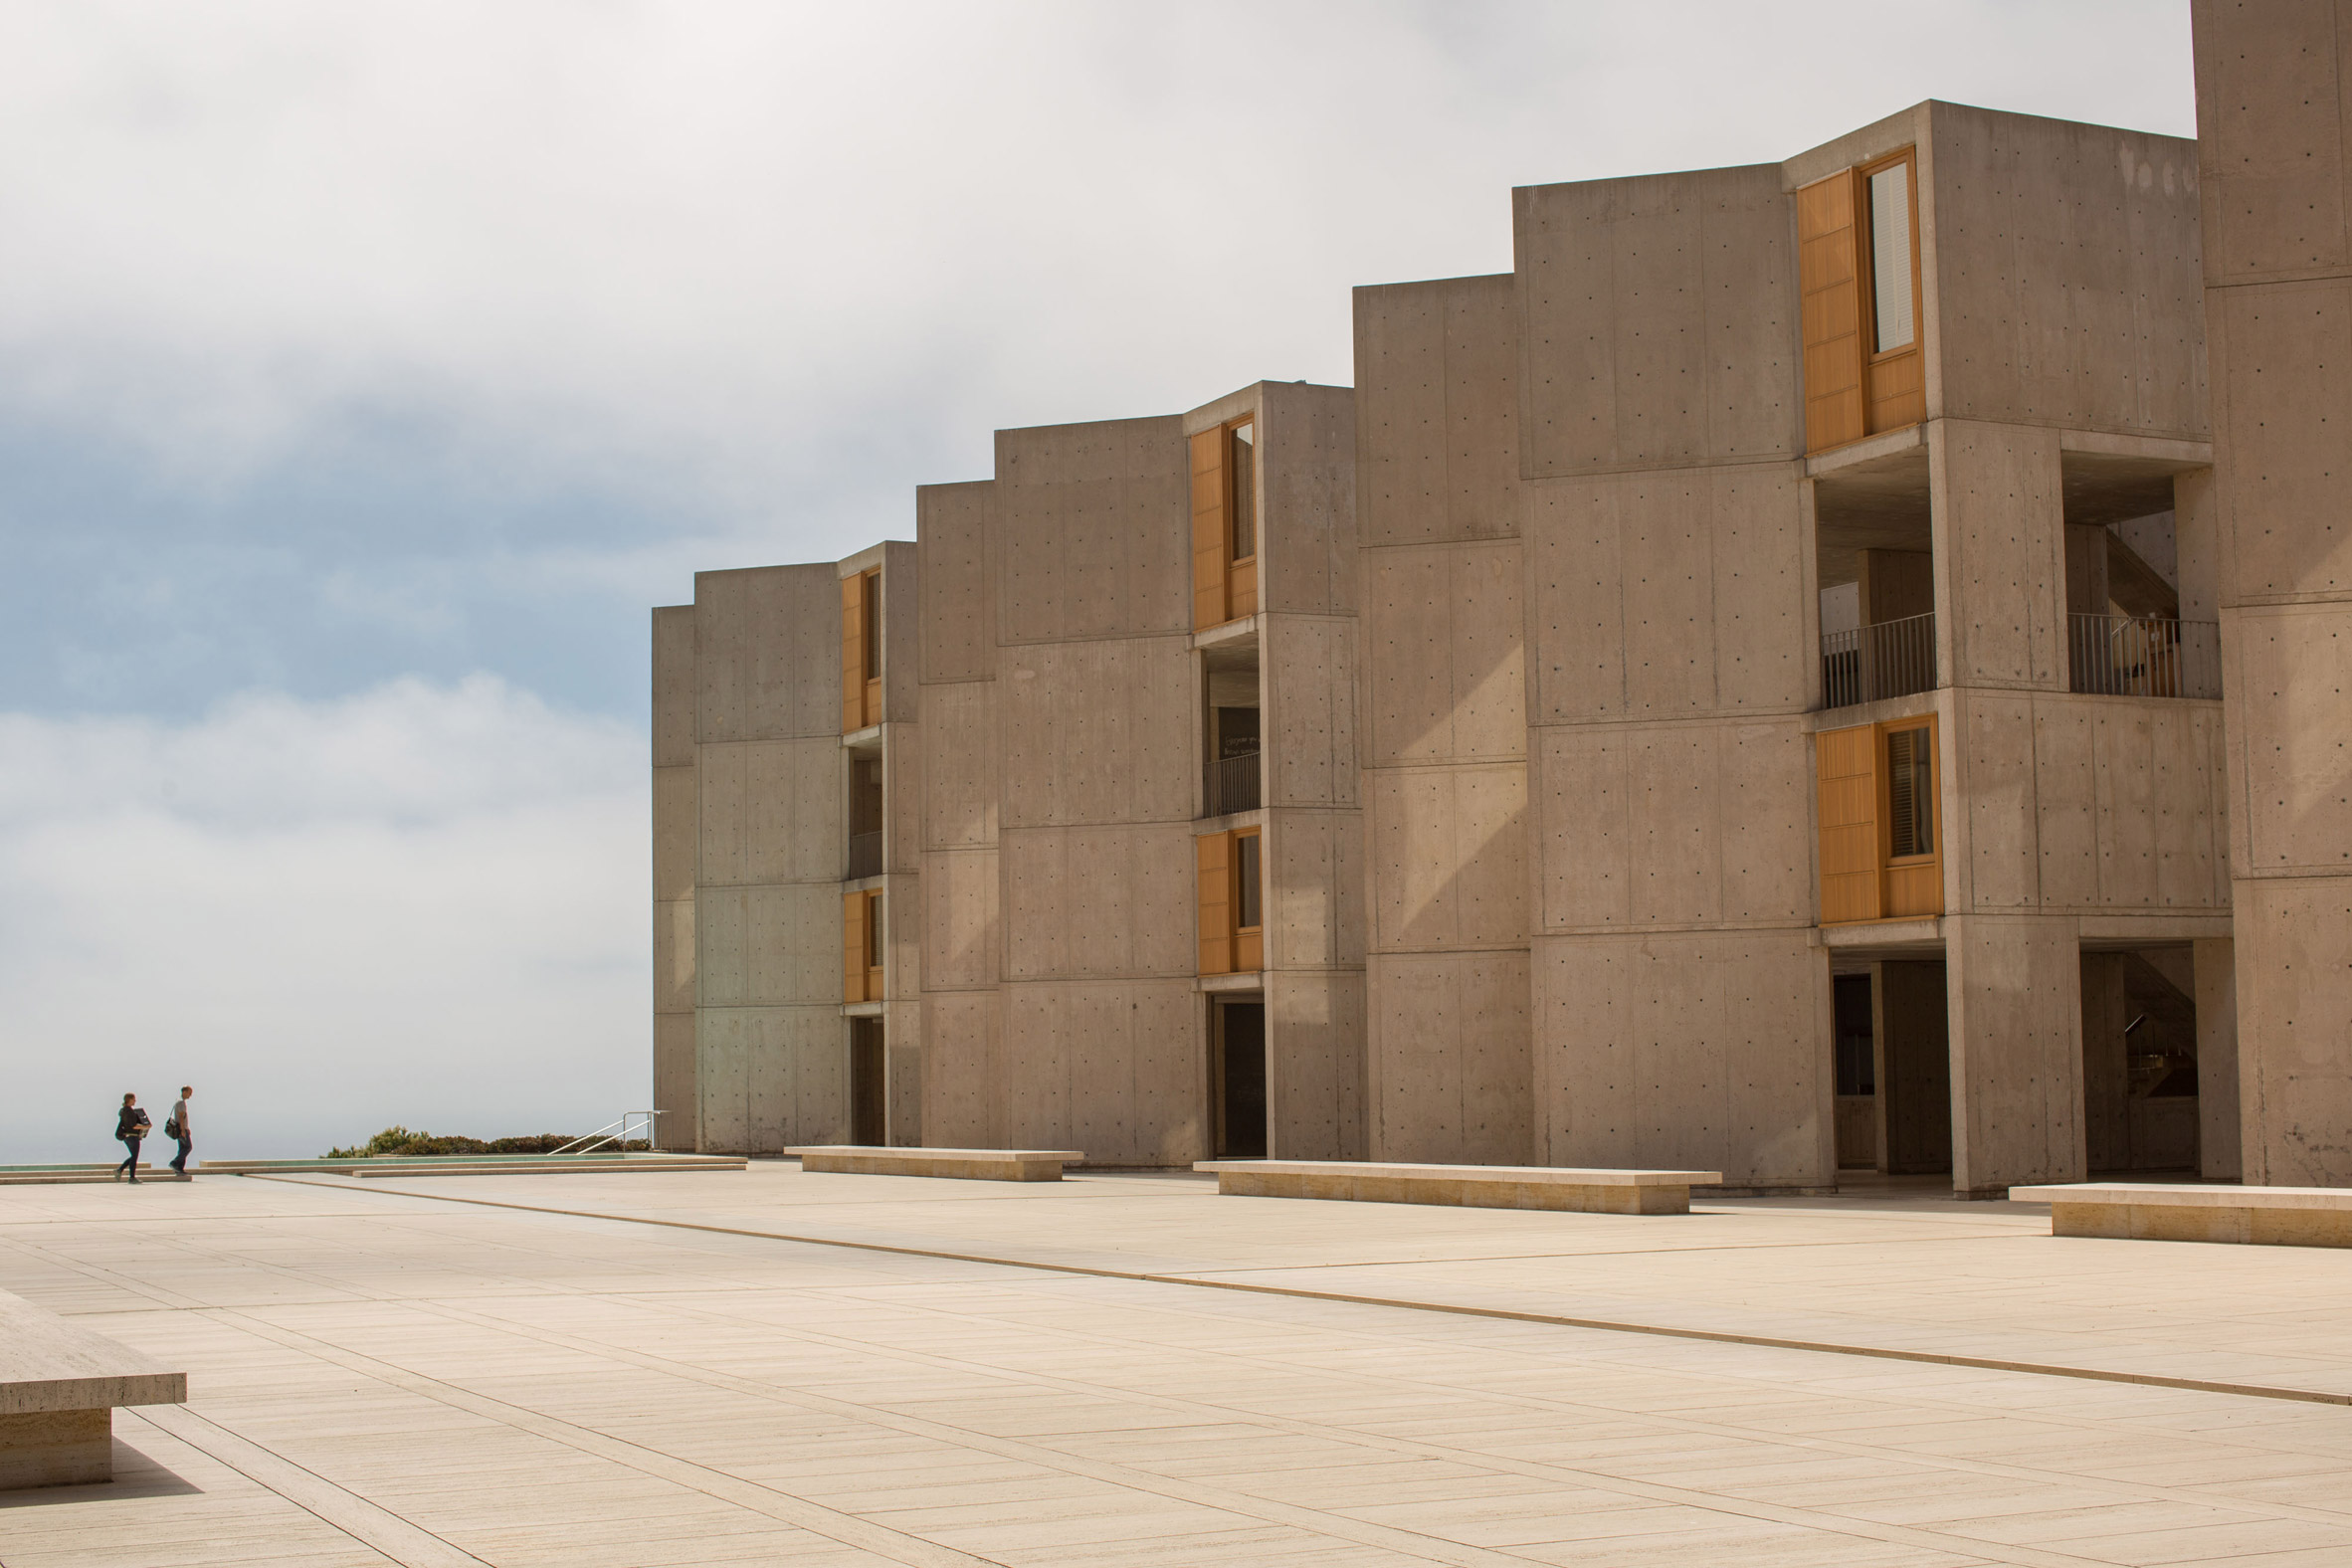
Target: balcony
x,y
865,855
1231,785
2143,655
1871,663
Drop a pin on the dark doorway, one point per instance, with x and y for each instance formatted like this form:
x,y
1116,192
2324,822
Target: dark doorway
x,y
2139,1063
1914,1070
1238,1079
1857,1076
866,1122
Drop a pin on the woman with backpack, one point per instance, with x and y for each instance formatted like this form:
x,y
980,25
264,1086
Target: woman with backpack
x,y
130,1128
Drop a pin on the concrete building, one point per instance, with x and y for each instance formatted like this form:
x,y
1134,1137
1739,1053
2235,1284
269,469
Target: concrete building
x,y
2271,124
1741,691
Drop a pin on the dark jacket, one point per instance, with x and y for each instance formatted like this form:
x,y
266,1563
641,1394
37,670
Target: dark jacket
x,y
131,1123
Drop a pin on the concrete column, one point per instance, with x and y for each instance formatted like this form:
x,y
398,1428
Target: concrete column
x,y
1999,555
677,1094
2217,1099
2016,1009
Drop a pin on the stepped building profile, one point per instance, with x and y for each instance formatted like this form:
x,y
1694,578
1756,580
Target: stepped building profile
x,y
1832,664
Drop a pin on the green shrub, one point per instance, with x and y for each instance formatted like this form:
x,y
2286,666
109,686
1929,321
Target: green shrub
x,y
400,1143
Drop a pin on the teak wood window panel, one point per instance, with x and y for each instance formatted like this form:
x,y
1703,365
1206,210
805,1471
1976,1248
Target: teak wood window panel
x,y
860,651
1878,795
1232,902
861,942
1224,523
1857,295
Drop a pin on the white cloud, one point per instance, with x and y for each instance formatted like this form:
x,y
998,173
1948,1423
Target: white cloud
x,y
418,905
786,257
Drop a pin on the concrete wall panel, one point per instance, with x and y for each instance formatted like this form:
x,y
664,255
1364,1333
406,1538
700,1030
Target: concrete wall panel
x,y
677,833
2270,129
676,1093
1448,1058
2294,666
1310,711
2069,277
1090,531
1314,890
1436,389
1315,1065
1099,902
771,812
1306,455
1109,1069
1447,677
767,653
1448,867
961,936
1098,731
960,785
1702,1050
2294,994
958,625
1672,594
674,687
1658,320
674,956
961,1065
2214,975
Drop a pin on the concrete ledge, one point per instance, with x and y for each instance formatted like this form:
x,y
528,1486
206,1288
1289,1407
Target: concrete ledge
x,y
397,1165
46,1175
961,1164
2258,1216
1464,1186
59,1386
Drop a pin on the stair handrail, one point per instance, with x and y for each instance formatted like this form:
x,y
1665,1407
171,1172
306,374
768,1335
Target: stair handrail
x,y
610,1131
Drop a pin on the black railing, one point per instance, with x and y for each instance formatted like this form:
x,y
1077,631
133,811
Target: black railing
x,y
2143,655
1869,663
865,855
1232,786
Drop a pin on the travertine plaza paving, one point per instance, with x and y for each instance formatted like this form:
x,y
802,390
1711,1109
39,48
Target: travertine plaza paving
x,y
1131,1369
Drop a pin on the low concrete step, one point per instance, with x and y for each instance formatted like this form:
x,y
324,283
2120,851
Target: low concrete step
x,y
477,1165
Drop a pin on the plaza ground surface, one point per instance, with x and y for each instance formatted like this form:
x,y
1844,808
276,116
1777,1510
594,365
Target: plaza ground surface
x,y
769,1366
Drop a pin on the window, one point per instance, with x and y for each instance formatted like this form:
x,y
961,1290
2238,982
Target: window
x,y
860,651
1910,794
873,623
1241,468
1890,256
861,947
1245,873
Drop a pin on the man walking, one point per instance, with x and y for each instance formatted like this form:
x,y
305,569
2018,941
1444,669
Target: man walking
x,y
130,1126
176,1128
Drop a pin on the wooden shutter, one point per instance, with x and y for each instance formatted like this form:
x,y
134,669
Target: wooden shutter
x,y
1829,270
1209,554
1214,854
1847,766
853,653
853,947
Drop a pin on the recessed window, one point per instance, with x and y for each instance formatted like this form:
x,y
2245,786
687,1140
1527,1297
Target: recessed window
x,y
1891,257
873,625
1244,471
1246,897
1910,793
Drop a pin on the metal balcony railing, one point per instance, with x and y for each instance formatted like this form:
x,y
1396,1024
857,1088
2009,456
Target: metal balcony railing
x,y
1871,663
2143,655
865,855
1232,786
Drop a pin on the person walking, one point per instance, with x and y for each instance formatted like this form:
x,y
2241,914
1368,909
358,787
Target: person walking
x,y
130,1126
176,1127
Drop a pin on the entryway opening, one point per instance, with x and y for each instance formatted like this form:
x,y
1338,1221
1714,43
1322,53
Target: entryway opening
x,y
1857,1076
866,1122
1914,1068
2139,1062
1236,1078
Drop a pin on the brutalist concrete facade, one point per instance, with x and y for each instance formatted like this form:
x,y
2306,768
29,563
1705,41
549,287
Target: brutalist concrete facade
x,y
1744,690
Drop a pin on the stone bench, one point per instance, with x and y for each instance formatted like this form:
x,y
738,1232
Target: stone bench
x,y
2153,1212
399,1165
1464,1186
965,1164
59,1386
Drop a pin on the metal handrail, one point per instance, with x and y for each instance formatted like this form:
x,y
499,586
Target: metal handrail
x,y
2143,655
1232,785
1866,664
613,1130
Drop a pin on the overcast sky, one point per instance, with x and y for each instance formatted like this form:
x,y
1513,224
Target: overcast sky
x,y
367,371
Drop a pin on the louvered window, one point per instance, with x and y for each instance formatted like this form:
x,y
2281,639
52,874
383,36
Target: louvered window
x,y
1910,793
1890,256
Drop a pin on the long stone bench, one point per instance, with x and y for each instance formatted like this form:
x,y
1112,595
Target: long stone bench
x,y
964,1164
2154,1212
1464,1186
399,1165
59,1386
